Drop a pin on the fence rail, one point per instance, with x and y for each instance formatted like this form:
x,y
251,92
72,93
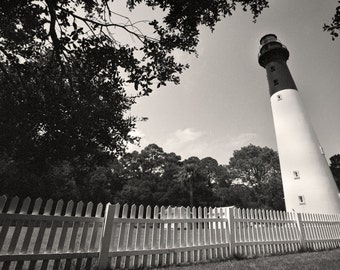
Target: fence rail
x,y
48,235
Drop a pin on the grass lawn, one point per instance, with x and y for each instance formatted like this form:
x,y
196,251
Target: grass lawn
x,y
324,260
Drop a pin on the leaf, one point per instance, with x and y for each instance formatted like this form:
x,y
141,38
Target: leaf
x,y
75,36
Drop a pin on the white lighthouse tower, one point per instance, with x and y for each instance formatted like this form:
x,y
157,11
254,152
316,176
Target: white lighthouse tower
x,y
308,183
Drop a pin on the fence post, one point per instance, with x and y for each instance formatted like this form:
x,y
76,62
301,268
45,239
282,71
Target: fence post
x,y
231,230
106,237
303,241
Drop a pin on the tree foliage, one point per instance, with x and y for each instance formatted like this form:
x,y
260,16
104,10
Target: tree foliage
x,y
155,177
335,168
255,172
66,65
149,176
197,179
334,27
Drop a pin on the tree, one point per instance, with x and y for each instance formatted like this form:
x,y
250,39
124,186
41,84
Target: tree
x,y
196,179
64,73
149,176
257,169
334,26
335,168
154,177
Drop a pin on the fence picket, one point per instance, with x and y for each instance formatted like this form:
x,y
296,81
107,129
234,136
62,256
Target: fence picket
x,y
191,233
94,235
74,233
259,233
163,237
315,228
18,227
52,234
244,236
195,234
138,239
210,234
318,230
181,235
337,229
129,260
330,231
207,234
84,234
292,231
63,234
147,237
169,255
155,237
327,227
200,239
41,233
283,231
30,226
218,235
237,225
225,232
267,231
286,231
29,232
253,236
6,223
307,227
278,231
334,231
249,232
176,236
121,237
3,200
323,230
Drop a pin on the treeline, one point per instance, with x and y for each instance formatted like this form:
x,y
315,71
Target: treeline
x,y
154,177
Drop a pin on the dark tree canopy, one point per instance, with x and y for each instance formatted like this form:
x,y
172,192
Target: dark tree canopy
x,y
65,69
334,27
254,171
254,165
335,168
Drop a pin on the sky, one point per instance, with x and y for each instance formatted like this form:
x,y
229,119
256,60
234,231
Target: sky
x,y
223,102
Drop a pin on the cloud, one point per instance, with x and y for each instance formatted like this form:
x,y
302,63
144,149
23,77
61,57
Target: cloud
x,y
185,135
242,139
185,142
190,142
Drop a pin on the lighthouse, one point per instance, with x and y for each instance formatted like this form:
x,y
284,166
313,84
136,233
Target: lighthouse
x,y
308,183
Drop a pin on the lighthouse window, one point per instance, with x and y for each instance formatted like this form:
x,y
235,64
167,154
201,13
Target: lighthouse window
x,y
301,199
296,174
272,68
279,97
276,82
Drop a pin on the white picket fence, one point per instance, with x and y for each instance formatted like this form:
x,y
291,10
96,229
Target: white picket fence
x,y
47,235
38,236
